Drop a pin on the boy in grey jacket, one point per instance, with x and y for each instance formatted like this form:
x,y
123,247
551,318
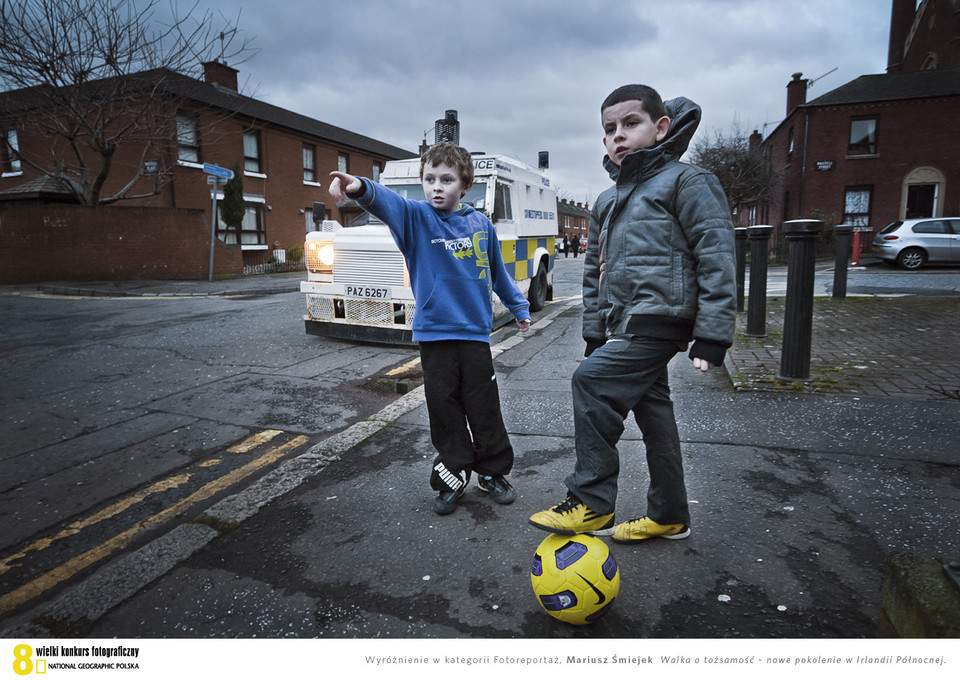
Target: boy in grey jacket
x,y
659,272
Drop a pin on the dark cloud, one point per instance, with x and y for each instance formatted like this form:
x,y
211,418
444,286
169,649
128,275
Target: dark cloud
x,y
528,75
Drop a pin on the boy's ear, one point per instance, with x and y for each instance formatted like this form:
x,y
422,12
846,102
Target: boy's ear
x,y
463,192
663,126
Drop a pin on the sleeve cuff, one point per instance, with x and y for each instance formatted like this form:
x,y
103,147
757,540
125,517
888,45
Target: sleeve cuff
x,y
708,350
357,195
592,346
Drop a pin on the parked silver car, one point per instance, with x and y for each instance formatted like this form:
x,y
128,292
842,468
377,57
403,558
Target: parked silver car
x,y
911,243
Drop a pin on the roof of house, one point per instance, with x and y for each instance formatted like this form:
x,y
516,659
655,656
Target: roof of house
x,y
45,188
572,209
262,112
231,101
891,87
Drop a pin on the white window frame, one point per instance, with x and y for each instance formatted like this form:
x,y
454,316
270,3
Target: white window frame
x,y
188,139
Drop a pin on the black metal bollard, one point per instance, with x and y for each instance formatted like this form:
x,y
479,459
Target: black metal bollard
x,y
798,312
757,310
741,235
844,233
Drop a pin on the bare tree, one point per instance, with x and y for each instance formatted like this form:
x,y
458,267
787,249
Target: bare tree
x,y
744,170
93,76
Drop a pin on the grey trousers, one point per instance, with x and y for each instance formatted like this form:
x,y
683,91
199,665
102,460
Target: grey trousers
x,y
627,374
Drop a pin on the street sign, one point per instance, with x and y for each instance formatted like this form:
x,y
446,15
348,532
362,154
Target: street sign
x,y
216,176
217,171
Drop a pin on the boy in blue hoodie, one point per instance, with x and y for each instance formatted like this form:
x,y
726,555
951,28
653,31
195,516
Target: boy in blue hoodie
x,y
453,257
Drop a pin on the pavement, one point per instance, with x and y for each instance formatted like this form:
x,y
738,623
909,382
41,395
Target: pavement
x,y
801,491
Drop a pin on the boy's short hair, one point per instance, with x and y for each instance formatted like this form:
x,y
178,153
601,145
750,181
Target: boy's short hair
x,y
450,154
650,98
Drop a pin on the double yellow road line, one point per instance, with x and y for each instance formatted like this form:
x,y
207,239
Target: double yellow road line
x,y
70,568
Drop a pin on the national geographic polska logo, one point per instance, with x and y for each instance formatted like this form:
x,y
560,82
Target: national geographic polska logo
x,y
26,660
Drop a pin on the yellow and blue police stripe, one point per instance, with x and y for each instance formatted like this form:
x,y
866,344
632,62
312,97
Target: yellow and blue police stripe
x,y
518,255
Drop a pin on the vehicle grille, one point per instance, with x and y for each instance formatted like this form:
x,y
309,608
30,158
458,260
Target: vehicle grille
x,y
319,307
366,268
362,312
369,312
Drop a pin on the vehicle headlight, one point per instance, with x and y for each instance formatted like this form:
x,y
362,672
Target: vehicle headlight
x,y
325,255
320,256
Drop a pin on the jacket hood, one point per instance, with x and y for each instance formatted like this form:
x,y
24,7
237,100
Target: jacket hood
x,y
684,118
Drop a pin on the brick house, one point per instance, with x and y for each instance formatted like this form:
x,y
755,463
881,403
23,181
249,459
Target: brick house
x,y
284,157
881,147
574,219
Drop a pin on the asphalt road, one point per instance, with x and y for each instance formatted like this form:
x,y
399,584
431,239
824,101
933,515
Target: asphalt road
x,y
201,470
123,415
792,523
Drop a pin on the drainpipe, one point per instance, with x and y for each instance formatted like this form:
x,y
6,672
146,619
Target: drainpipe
x,y
803,166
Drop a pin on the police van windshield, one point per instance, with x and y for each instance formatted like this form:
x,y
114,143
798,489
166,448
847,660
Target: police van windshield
x,y
475,197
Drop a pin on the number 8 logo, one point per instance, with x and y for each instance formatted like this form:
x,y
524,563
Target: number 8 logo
x,y
22,663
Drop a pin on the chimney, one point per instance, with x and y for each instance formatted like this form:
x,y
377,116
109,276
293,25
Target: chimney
x,y
216,73
796,92
756,139
902,13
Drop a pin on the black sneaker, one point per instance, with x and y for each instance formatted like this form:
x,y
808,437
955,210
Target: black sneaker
x,y
498,487
446,501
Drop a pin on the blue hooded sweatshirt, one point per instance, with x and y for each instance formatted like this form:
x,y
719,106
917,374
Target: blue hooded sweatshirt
x,y
454,262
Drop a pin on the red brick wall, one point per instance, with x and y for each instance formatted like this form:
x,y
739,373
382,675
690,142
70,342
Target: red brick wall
x,y
936,39
283,191
911,133
70,243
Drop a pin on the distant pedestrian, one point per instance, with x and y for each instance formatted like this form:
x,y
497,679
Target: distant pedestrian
x,y
566,247
659,271
453,256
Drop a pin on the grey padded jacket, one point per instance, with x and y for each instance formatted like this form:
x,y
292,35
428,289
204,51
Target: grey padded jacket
x,y
660,258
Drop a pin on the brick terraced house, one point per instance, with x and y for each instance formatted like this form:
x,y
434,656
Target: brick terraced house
x,y
882,147
284,157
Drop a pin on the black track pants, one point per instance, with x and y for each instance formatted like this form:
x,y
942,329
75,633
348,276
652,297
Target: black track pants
x,y
463,402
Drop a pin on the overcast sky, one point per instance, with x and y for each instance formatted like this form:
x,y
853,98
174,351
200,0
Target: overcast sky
x,y
529,75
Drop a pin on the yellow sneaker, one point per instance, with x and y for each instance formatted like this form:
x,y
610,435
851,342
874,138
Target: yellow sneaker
x,y
642,528
573,517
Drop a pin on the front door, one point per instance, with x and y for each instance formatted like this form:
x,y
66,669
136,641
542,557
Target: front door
x,y
921,200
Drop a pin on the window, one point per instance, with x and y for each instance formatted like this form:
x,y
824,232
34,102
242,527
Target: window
x,y
343,162
376,172
856,206
863,137
790,143
252,232
10,153
502,208
931,227
251,151
188,139
309,163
